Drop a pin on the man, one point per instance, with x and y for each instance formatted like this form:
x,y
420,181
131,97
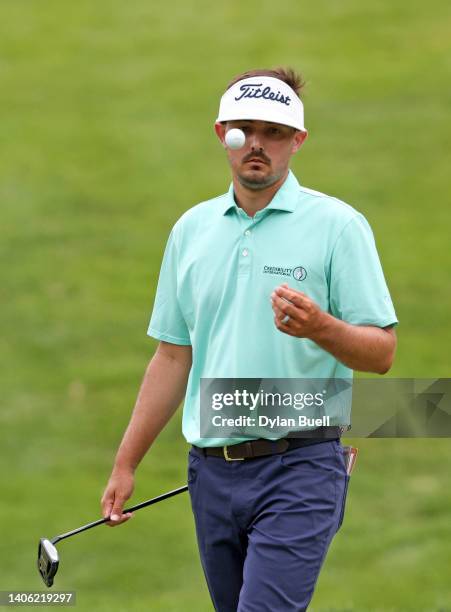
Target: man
x,y
265,512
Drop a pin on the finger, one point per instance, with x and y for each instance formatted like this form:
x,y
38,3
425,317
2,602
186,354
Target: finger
x,y
298,317
122,518
297,298
106,509
284,306
284,327
279,314
116,515
106,503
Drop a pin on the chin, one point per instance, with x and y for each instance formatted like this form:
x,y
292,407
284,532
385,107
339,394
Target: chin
x,y
254,175
256,180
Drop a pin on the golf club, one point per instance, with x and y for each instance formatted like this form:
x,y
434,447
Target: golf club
x,y
48,559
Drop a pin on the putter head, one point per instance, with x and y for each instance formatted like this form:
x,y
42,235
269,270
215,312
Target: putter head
x,y
47,561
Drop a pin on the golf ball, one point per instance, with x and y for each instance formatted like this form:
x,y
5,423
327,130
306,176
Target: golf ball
x,y
235,138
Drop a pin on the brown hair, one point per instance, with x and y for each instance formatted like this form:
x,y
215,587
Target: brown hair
x,y
287,75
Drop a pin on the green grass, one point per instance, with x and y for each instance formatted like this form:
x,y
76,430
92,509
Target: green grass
x,y
106,138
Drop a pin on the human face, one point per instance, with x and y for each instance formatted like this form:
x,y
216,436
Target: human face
x,y
265,156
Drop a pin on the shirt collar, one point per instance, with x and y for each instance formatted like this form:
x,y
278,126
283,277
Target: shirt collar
x,y
284,199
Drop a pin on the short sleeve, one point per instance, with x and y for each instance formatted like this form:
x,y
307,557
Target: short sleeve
x,y
167,322
358,292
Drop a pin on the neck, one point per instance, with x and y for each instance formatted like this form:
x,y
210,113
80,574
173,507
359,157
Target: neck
x,y
250,200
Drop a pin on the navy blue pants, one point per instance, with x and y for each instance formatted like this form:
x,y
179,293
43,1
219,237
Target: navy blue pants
x,y
264,525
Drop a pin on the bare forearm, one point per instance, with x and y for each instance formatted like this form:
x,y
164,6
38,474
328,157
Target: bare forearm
x,y
161,392
360,347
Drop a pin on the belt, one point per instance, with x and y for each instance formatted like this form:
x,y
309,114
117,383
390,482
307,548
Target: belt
x,y
262,447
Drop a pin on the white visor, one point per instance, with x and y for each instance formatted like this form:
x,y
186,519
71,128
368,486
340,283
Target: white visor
x,y
262,98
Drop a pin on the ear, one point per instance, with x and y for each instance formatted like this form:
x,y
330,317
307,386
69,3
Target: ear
x,y
299,138
220,132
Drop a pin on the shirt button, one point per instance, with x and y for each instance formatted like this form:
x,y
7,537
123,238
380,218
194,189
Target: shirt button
x,y
245,252
247,233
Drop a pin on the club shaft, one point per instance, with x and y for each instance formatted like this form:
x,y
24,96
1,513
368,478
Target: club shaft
x,y
144,504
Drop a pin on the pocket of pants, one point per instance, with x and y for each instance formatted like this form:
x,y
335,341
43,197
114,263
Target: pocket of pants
x,y
193,464
310,458
343,503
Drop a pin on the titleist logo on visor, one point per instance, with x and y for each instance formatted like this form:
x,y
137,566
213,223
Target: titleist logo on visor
x,y
254,90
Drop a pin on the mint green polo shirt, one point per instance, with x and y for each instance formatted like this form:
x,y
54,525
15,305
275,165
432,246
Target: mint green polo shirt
x,y
220,267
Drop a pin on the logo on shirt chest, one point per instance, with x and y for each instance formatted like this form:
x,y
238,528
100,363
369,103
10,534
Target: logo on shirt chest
x,y
298,273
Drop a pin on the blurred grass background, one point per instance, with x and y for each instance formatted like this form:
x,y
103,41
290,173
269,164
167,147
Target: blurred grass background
x,y
106,138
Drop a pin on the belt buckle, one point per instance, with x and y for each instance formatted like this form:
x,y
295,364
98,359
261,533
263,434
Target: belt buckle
x,y
227,458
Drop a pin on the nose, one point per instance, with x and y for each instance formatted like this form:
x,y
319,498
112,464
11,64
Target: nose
x,y
255,142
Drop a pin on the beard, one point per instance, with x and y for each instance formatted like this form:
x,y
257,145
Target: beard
x,y
257,182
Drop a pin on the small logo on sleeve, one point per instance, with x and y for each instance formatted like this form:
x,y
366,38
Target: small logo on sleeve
x,y
299,273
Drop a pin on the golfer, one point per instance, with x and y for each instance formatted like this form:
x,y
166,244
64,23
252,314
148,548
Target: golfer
x,y
269,280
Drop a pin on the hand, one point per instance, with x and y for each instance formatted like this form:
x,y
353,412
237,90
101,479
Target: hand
x,y
118,490
306,317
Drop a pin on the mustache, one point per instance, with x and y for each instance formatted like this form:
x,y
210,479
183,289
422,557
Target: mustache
x,y
259,155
